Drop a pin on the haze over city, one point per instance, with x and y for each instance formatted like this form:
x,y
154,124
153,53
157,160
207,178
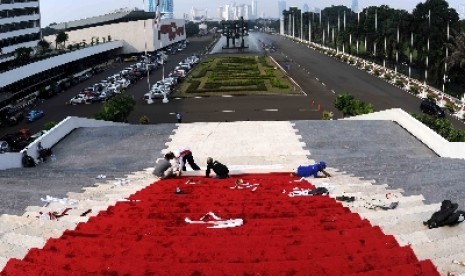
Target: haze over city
x,y
67,10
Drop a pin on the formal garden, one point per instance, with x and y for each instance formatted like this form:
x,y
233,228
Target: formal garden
x,y
237,75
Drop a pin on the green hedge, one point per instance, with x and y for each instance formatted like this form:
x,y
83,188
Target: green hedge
x,y
275,82
441,126
193,86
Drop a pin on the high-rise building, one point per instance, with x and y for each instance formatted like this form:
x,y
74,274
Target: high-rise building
x,y
354,6
254,9
305,8
166,9
220,12
19,26
281,7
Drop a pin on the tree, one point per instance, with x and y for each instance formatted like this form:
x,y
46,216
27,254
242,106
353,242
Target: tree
x,y
441,17
349,106
60,39
144,120
456,61
50,125
43,46
192,29
117,109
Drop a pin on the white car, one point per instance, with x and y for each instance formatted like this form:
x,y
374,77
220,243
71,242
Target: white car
x,y
124,83
162,86
79,99
154,94
171,81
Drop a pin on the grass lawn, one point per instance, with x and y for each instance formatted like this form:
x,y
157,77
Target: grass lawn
x,y
236,75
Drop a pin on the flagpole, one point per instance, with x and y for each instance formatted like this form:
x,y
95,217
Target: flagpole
x,y
427,47
310,28
301,26
145,50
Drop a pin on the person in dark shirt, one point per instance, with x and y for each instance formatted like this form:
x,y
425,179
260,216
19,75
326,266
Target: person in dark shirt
x,y
219,169
164,168
27,160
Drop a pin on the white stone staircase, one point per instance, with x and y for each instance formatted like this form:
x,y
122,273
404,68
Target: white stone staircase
x,y
248,147
442,245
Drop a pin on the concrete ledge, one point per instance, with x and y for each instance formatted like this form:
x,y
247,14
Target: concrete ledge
x,y
49,139
423,133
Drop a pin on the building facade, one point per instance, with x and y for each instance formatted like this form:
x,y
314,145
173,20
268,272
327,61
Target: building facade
x,y
354,7
19,26
254,9
281,8
166,9
305,8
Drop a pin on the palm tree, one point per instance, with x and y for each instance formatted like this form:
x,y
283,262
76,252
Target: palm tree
x,y
43,46
61,39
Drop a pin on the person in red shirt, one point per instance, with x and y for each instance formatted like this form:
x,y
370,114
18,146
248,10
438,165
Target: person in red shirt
x,y
184,154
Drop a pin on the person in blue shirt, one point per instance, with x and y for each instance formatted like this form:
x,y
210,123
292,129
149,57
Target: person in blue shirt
x,y
316,170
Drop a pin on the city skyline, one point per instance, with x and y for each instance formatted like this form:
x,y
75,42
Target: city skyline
x,y
67,10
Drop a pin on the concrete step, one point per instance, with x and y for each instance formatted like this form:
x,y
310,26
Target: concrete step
x,y
445,264
3,261
9,250
45,229
390,214
340,179
399,220
404,228
361,204
9,223
440,248
23,240
379,189
429,235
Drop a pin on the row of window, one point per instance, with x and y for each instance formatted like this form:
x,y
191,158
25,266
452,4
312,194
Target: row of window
x,y
18,12
6,28
4,56
19,39
16,1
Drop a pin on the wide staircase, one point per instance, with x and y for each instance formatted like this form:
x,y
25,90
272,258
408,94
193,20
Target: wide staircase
x,y
368,160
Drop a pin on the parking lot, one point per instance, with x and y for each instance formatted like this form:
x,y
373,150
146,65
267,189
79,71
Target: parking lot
x,y
58,107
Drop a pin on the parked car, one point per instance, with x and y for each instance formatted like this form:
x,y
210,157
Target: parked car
x,y
154,94
79,99
430,107
34,115
15,142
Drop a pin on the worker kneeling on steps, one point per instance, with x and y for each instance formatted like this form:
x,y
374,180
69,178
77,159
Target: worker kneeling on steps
x,y
219,169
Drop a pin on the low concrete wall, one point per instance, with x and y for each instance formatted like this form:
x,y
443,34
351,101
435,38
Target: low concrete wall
x,y
431,139
12,160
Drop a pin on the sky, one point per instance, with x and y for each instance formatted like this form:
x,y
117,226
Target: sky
x,y
67,10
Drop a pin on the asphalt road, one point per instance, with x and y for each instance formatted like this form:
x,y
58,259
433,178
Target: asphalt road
x,y
308,67
320,77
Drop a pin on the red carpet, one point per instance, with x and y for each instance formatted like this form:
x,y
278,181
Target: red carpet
x,y
280,235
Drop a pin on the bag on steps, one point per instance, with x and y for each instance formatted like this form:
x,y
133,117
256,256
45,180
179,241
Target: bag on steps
x,y
447,215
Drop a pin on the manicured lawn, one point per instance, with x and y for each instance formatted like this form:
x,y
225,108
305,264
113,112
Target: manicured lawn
x,y
236,75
